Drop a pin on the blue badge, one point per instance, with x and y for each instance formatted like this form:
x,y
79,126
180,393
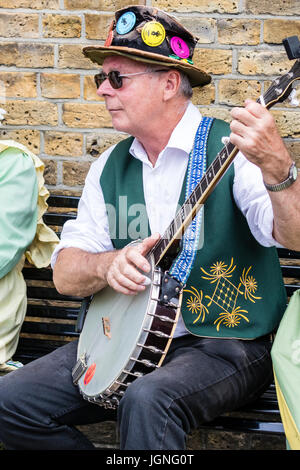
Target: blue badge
x,y
126,22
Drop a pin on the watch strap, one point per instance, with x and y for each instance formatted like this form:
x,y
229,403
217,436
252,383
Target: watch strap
x,y
286,183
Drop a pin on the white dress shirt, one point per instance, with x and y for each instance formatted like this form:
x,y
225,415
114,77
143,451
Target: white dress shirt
x,y
162,187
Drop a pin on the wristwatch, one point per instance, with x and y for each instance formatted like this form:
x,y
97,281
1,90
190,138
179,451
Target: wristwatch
x,y
293,173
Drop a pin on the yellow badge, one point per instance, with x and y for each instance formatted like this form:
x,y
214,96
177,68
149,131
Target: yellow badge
x,y
153,33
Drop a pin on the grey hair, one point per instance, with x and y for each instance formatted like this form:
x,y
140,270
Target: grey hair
x,y
185,85
185,88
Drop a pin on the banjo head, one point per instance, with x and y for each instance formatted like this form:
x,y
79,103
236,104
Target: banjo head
x,y
111,330
114,325
123,338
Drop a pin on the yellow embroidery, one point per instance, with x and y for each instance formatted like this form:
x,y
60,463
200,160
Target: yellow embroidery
x,y
225,295
230,319
250,285
195,304
219,270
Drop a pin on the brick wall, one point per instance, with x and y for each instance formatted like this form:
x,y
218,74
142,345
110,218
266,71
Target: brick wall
x,y
46,85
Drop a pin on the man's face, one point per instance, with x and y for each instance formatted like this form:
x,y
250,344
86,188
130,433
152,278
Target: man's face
x,y
137,103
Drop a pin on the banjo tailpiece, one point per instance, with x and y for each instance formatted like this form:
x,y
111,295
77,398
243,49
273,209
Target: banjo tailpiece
x,y
170,290
79,369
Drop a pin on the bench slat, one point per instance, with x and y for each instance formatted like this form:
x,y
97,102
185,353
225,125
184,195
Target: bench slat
x,y
63,201
55,329
52,311
228,423
290,271
57,219
42,274
49,293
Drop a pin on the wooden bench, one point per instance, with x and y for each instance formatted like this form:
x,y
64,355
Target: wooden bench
x,y
51,322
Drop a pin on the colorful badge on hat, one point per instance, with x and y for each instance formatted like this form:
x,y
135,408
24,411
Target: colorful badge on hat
x,y
180,47
126,22
110,35
153,33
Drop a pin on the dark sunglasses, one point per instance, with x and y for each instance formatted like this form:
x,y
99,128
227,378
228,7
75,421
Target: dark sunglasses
x,y
115,77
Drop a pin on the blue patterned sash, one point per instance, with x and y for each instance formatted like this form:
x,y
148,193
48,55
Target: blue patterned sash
x,y
182,265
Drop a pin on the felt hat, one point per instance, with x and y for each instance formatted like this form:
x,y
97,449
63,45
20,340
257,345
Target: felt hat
x,y
150,35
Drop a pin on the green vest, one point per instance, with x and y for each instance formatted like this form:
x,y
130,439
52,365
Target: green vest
x,y
235,288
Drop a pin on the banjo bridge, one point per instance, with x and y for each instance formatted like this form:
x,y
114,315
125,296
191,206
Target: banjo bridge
x,y
106,327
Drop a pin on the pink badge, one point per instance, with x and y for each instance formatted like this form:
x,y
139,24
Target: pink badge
x,y
180,47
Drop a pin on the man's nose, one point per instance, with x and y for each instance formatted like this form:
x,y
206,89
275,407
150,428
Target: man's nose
x,y
105,88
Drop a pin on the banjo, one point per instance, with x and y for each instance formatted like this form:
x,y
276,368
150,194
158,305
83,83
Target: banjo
x,y
123,336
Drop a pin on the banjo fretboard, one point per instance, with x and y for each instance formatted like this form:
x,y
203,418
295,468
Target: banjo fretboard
x,y
193,203
277,92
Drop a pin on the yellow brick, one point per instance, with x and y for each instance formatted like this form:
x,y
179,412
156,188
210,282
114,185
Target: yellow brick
x,y
33,113
203,28
204,95
21,24
276,30
34,4
288,122
294,149
63,143
274,7
234,92
18,84
217,112
104,5
92,115
263,62
61,26
71,56
97,26
28,137
50,173
231,31
202,6
90,89
58,85
74,173
98,142
213,61
26,55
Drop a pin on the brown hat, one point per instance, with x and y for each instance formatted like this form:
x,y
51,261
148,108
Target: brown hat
x,y
150,35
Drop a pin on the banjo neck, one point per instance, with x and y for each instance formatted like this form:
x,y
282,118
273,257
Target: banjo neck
x,y
279,91
193,203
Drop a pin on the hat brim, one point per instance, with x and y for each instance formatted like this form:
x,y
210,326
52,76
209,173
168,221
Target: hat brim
x,y
97,54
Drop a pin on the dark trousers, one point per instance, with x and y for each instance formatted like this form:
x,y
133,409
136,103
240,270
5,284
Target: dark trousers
x,y
199,379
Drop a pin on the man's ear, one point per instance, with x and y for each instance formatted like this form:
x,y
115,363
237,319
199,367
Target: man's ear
x,y
172,83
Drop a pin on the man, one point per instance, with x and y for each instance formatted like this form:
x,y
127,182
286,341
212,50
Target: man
x,y
219,358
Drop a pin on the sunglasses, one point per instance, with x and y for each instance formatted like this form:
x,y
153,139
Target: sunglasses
x,y
116,78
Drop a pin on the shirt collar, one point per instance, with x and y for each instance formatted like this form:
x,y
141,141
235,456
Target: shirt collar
x,y
182,137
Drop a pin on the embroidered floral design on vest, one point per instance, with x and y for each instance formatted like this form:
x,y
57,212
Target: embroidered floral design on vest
x,y
195,304
225,295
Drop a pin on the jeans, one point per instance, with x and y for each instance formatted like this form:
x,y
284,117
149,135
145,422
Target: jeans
x,y
200,379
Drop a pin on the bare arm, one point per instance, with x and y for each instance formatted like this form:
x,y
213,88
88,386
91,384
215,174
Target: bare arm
x,y
254,132
77,272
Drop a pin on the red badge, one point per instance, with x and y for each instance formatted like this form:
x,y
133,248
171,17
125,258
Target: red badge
x,y
89,374
110,35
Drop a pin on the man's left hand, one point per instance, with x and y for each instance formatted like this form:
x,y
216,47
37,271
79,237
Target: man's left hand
x,y
255,134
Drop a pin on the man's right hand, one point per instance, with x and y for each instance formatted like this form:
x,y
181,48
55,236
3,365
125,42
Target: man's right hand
x,y
125,272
